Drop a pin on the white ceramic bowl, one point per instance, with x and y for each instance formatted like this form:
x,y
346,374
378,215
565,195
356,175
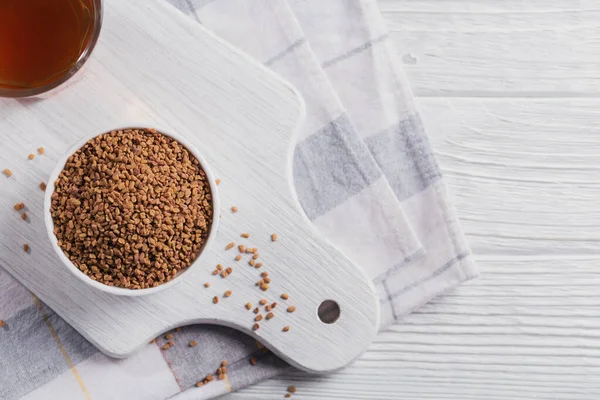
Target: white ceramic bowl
x,y
112,289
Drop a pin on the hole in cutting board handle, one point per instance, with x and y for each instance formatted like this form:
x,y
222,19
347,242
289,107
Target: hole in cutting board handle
x,y
329,311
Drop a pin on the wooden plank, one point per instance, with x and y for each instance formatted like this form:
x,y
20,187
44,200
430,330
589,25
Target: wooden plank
x,y
524,177
497,48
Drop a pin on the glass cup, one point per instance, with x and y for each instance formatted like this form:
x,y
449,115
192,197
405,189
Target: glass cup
x,y
72,70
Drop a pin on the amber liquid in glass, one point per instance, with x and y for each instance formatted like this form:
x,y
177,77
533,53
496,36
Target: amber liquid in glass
x,y
40,40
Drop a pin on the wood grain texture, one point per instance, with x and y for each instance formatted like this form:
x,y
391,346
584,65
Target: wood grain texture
x,y
216,98
507,90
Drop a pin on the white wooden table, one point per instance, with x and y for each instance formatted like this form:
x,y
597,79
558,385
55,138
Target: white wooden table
x,y
509,91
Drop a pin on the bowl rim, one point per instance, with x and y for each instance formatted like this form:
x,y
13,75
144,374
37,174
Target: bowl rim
x,y
75,68
49,222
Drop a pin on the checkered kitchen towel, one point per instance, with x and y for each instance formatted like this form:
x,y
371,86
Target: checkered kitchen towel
x,y
365,176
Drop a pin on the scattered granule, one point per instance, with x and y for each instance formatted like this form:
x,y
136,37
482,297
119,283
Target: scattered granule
x,y
273,305
168,345
255,256
219,267
259,317
288,395
207,285
2,323
43,186
221,377
241,248
229,270
256,310
19,207
7,172
224,274
229,246
286,328
270,316
215,272
227,293
268,308
258,265
224,363
218,181
132,208
255,327
262,302
248,306
26,248
152,341
253,360
267,279
238,257
169,336
264,287
285,296
234,209
273,237
248,250
209,378
31,156
291,309
216,299
41,151
245,235
193,343
252,263
292,389
263,274
24,216
199,384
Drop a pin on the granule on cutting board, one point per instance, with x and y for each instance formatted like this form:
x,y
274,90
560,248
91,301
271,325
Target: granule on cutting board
x,y
24,216
218,181
207,285
19,207
259,317
262,302
248,306
292,389
270,316
215,272
216,300
41,151
263,274
238,257
234,209
139,220
31,156
286,328
273,237
224,274
291,309
256,310
255,327
267,279
285,296
229,246
7,172
229,270
26,248
43,186
258,265
245,235
193,343
268,307
2,323
168,345
252,263
288,395
255,256
274,305
219,267
227,293
264,287
241,248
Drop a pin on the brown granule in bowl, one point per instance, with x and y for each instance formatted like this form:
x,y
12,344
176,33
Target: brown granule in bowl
x,y
132,208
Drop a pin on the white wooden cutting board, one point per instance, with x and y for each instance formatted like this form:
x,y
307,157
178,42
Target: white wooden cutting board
x,y
156,68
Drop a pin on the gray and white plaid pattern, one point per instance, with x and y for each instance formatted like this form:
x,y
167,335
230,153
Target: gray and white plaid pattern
x,y
364,173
